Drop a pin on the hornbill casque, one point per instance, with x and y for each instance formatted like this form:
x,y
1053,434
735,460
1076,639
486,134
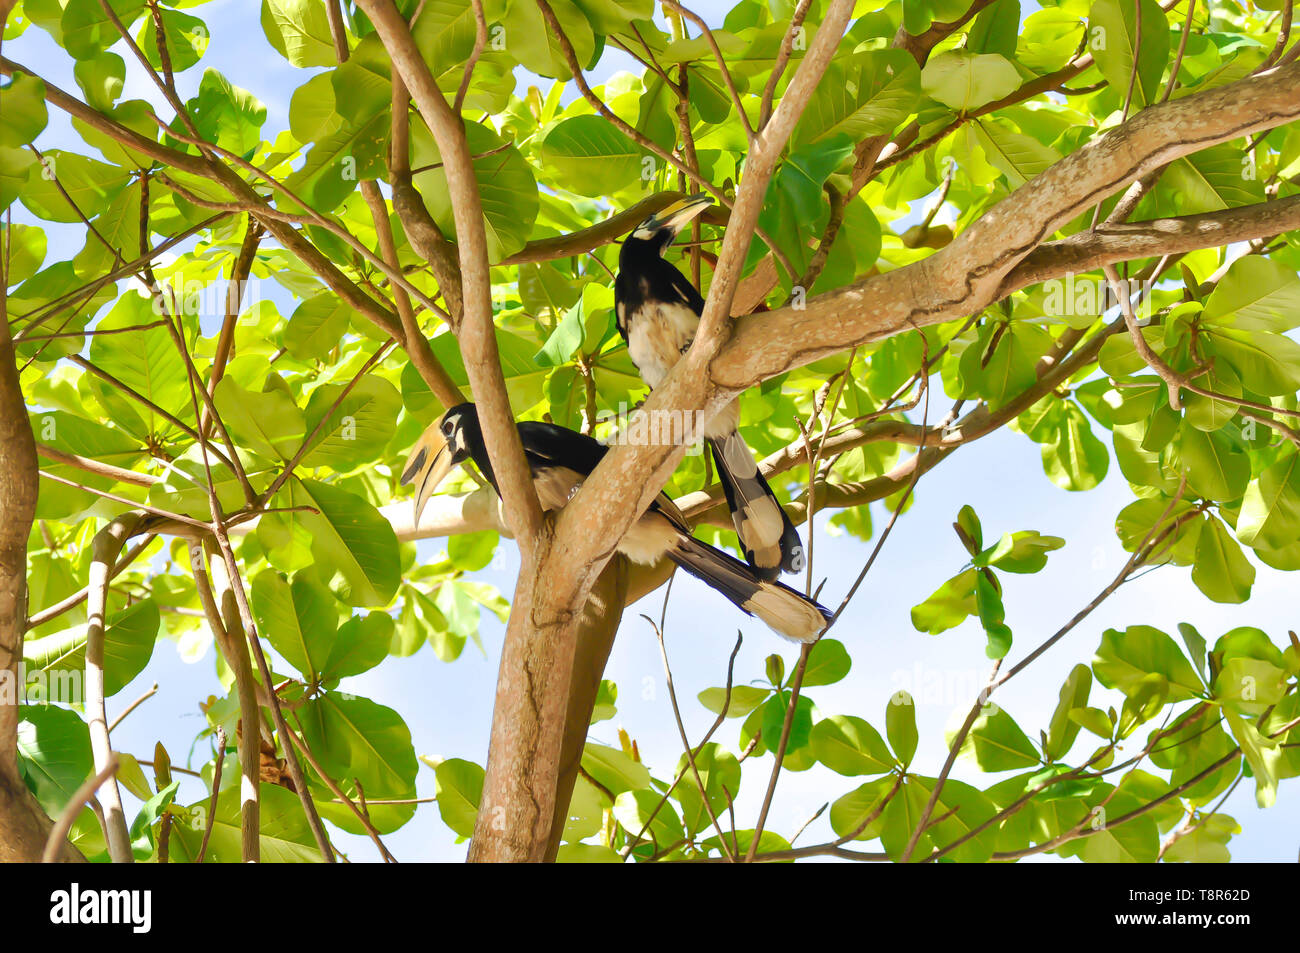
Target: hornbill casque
x,y
658,311
560,459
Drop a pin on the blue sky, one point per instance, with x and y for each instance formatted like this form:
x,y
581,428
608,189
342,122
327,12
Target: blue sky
x,y
448,707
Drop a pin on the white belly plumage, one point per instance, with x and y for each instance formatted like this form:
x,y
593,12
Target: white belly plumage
x,y
657,336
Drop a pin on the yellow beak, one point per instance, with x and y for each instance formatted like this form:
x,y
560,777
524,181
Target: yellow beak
x,y
428,465
676,216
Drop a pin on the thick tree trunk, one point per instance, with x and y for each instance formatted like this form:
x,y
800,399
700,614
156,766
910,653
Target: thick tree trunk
x,y
600,621
543,705
23,825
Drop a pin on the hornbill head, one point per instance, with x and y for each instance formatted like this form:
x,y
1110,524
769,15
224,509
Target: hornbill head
x,y
442,447
661,228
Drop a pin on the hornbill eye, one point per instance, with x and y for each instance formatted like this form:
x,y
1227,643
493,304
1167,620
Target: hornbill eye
x,y
448,426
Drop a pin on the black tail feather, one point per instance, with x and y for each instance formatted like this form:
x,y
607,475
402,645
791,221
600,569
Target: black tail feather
x,y
785,611
770,549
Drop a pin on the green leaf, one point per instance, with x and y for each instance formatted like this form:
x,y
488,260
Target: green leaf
x,y
744,699
1216,469
969,524
1257,294
356,739
865,94
1262,754
1015,155
1211,180
1222,570
90,184
317,326
299,31
354,547
900,726
849,813
774,712
1113,39
298,618
101,79
948,606
284,834
1095,720
719,772
1022,552
53,754
1205,843
1075,459
88,30
828,662
564,340
186,38
1124,658
129,639
988,602
267,423
614,770
506,186
850,746
1270,511
355,431
1268,364
589,156
360,644
1062,729
964,81
633,810
996,743
995,29
227,115
22,103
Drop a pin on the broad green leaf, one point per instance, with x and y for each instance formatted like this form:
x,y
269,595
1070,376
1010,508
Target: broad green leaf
x,y
60,658
1063,729
298,618
1125,657
827,663
284,835
744,699
589,156
354,547
1270,511
53,754
22,103
506,185
613,769
900,726
848,745
267,423
1113,32
948,606
868,93
299,31
353,428
852,813
360,644
996,743
356,739
1222,570
964,81
1216,469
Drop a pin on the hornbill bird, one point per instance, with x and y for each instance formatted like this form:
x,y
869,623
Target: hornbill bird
x,y
560,459
658,311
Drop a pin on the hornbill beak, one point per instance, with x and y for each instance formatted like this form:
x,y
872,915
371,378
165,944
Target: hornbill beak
x,y
428,465
678,215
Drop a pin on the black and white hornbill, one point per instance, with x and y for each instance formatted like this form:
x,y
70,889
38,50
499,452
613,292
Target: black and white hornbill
x,y
560,460
658,310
